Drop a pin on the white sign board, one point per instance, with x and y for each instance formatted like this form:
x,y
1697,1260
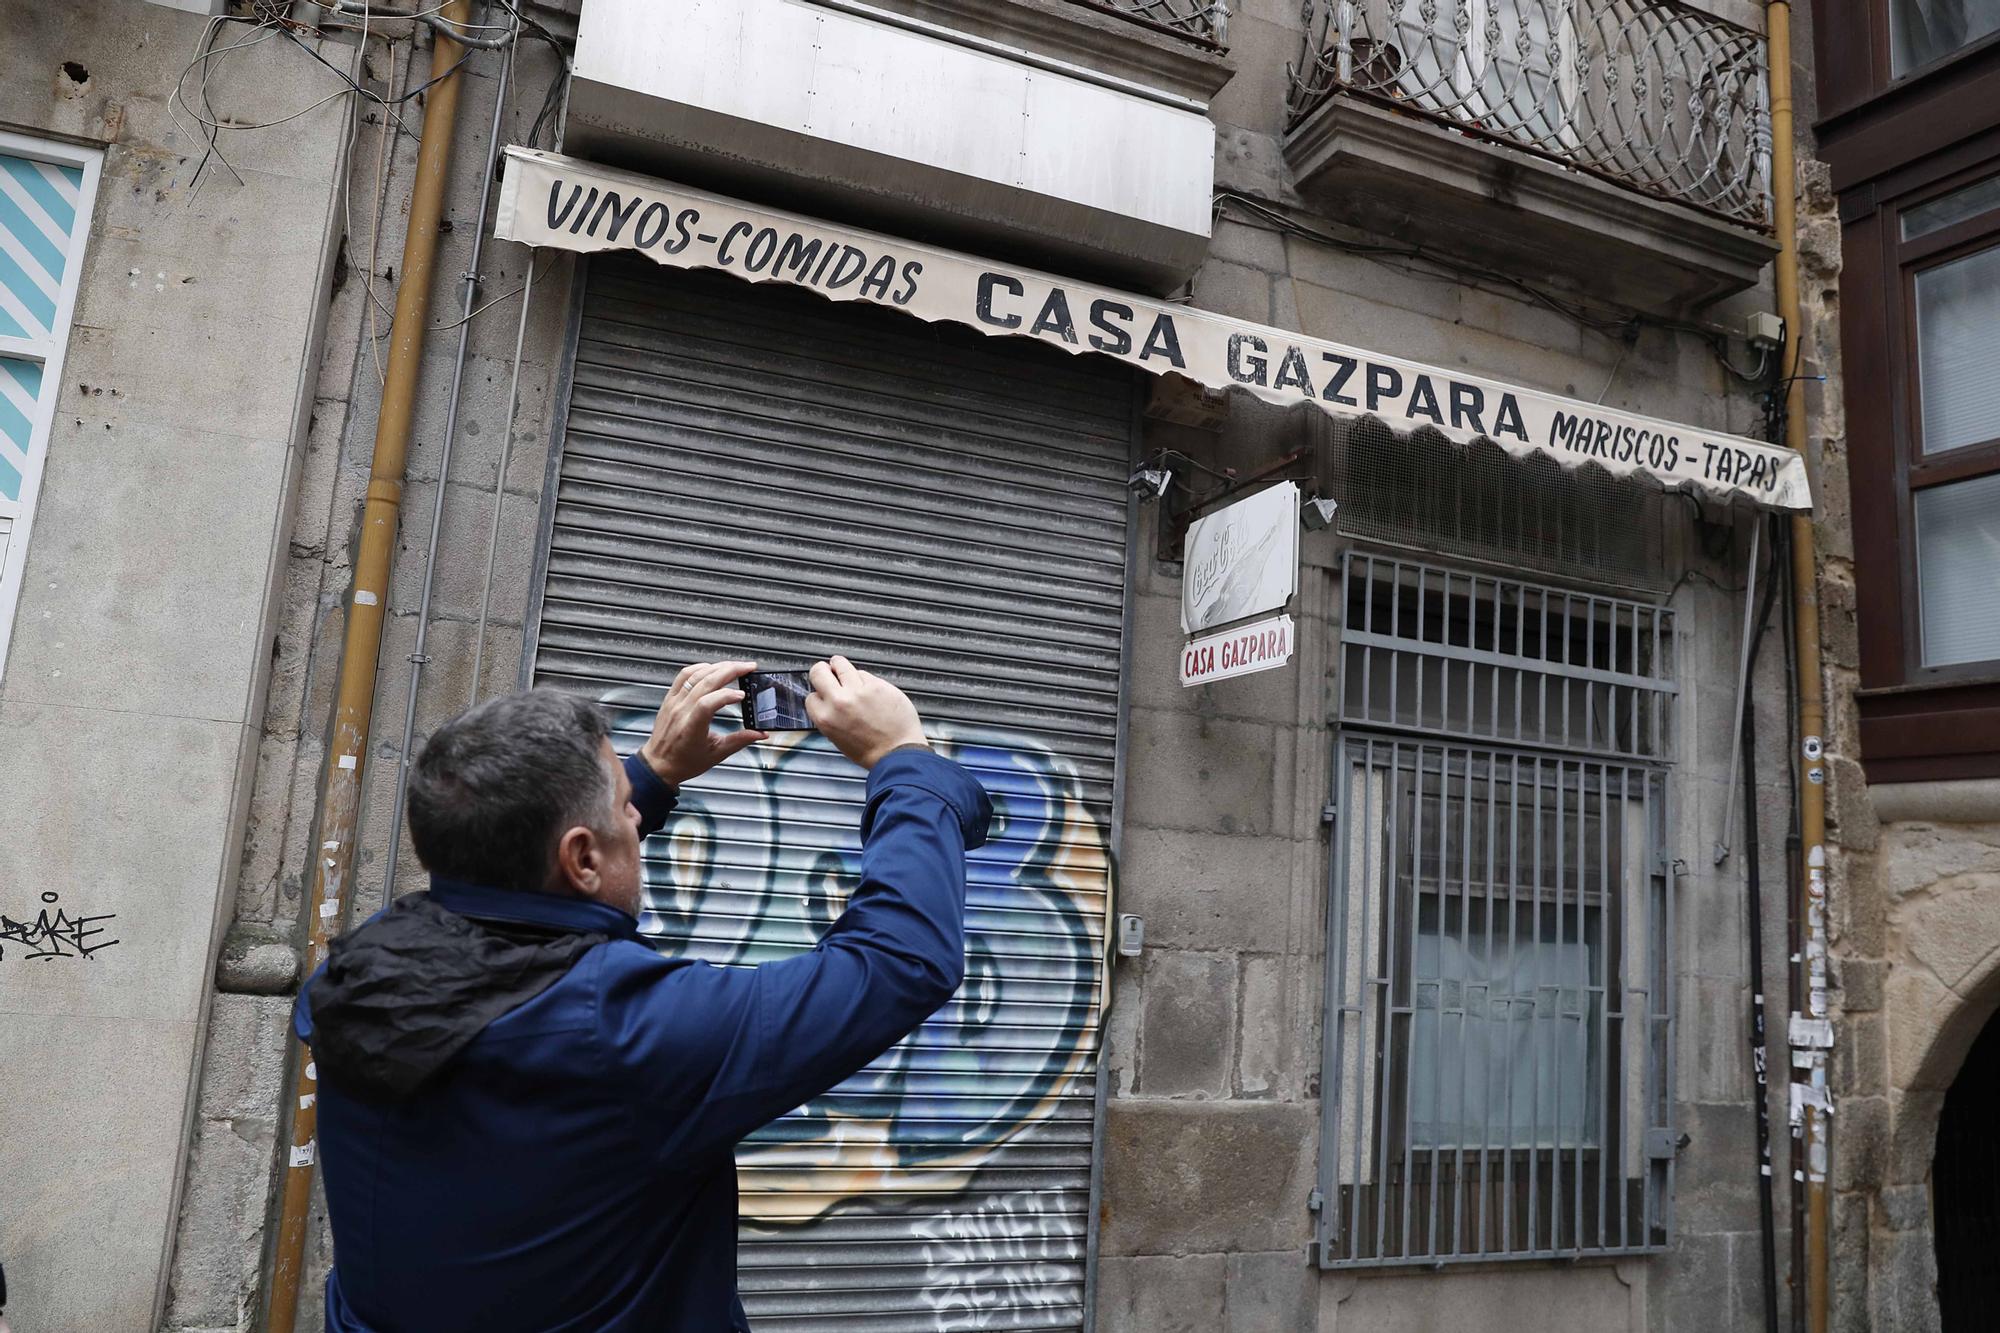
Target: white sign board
x,y
1261,646
550,200
1242,560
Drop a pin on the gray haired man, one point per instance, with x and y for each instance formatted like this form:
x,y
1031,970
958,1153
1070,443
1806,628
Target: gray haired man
x,y
527,1115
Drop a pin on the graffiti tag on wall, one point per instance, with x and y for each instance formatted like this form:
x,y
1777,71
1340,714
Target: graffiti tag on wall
x,y
54,933
1017,1252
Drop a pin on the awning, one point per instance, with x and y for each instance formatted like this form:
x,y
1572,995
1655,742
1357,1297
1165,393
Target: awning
x,y
547,199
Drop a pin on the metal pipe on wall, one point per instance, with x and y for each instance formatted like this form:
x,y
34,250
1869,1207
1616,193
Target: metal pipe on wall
x,y
339,811
417,657
1811,1100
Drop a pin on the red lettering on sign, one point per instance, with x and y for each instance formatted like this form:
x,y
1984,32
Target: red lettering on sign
x,y
1251,648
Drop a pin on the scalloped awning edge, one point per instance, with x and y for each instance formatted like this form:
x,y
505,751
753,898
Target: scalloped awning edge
x,y
547,199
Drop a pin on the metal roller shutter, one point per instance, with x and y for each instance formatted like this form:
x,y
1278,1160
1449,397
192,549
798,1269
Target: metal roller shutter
x,y
751,471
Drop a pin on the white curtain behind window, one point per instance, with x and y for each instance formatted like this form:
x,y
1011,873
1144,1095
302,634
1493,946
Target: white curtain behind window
x,y
1920,31
1958,570
1958,327
1515,1071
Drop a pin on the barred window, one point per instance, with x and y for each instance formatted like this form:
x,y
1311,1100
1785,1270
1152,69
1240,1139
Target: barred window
x,y
1498,1040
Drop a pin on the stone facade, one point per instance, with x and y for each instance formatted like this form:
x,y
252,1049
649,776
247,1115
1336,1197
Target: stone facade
x,y
1212,1055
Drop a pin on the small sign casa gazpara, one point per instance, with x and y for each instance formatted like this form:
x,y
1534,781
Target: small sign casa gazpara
x,y
1258,646
1242,560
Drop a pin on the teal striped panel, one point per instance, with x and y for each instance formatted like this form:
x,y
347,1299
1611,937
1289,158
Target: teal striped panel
x,y
38,218
20,385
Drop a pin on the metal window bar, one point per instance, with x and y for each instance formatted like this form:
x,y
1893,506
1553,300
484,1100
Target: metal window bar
x,y
1498,1058
1204,20
1469,656
1655,95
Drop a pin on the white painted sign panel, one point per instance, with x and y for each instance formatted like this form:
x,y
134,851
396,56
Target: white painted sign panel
x,y
547,199
1242,560
1263,645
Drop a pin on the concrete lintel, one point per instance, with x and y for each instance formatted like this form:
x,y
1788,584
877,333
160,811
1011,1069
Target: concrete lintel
x,y
1403,175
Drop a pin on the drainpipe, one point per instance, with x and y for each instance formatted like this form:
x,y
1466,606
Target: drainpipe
x,y
361,651
417,655
1812,701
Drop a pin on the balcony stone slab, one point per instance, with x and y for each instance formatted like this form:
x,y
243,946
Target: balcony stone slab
x,y
1485,203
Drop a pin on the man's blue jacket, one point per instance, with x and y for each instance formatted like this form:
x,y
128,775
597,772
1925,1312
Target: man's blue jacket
x,y
564,1160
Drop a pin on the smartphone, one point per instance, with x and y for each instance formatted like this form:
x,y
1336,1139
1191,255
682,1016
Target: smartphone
x,y
776,701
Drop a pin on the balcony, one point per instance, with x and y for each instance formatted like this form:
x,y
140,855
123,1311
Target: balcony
x,y
1625,139
1205,21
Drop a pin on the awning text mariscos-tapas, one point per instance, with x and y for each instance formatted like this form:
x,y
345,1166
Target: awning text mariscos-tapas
x,y
547,199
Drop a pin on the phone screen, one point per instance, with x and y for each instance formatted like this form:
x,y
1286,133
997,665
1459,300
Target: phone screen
x,y
776,701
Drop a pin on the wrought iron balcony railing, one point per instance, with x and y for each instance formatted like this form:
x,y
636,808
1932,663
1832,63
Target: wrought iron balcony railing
x,y
1651,94
1204,20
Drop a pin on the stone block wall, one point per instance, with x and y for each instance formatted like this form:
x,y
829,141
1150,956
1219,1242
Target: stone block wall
x,y
1913,887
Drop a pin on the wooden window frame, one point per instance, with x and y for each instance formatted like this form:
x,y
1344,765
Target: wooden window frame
x,y
1918,722
1855,61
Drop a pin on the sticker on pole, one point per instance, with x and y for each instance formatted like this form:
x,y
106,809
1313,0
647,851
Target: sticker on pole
x,y
1263,646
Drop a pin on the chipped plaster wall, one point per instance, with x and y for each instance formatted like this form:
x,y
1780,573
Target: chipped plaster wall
x,y
131,707
224,1230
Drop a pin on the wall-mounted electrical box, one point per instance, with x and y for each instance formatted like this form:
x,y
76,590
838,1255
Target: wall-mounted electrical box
x,y
1131,936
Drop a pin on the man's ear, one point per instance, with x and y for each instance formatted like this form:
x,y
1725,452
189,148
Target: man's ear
x,y
577,857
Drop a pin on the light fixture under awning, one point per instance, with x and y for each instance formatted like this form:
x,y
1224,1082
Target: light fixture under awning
x,y
547,199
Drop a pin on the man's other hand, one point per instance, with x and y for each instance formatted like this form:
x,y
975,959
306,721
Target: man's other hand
x,y
683,744
864,715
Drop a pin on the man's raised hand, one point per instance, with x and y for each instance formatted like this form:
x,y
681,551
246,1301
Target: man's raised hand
x,y
864,715
683,744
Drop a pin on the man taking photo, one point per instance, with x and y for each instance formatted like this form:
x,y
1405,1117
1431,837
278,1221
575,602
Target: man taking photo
x,y
527,1116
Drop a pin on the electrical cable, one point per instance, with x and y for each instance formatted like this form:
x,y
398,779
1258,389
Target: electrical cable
x,y
207,56
263,29
358,90
500,490
489,304
383,155
1794,928
1754,911
353,137
459,33
204,52
1720,347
